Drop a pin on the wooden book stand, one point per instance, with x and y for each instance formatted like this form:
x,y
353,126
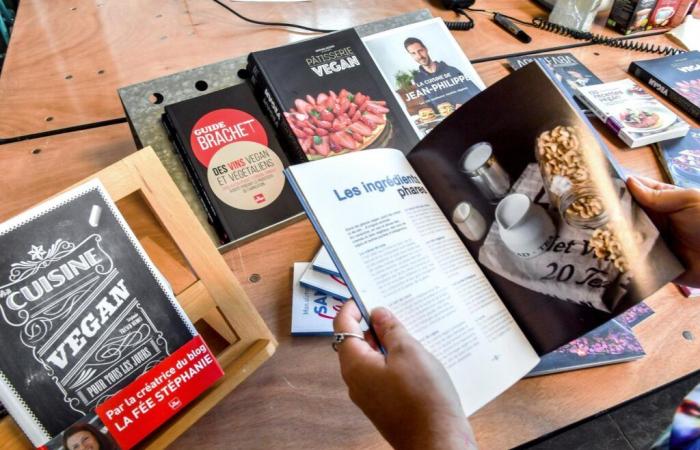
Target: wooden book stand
x,y
202,282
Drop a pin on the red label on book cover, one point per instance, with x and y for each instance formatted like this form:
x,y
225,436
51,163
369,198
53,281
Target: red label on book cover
x,y
221,127
157,395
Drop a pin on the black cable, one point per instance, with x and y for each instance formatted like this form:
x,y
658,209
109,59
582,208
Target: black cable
x,y
493,13
274,24
538,22
624,42
458,25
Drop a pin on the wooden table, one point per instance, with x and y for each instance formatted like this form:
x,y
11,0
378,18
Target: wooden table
x,y
297,399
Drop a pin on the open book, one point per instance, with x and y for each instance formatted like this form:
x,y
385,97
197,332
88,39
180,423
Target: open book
x,y
504,234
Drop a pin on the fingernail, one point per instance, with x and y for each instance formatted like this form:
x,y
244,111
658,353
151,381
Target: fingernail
x,y
381,316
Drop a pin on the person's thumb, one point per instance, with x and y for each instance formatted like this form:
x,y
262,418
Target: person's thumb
x,y
391,333
658,200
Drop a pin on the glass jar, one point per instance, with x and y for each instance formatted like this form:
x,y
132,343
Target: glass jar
x,y
581,207
567,179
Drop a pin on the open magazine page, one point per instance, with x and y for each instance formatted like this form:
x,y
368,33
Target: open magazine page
x,y
394,247
540,205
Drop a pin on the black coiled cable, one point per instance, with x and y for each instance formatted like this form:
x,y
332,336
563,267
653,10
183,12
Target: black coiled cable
x,y
624,43
460,26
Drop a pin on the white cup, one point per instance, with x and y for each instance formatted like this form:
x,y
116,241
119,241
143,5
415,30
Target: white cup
x,y
469,221
525,228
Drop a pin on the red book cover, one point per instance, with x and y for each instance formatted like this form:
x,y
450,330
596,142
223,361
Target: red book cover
x,y
128,417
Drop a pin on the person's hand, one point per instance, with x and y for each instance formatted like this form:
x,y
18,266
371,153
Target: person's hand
x,y
676,211
407,395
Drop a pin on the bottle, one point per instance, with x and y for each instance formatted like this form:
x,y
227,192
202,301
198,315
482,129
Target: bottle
x,y
685,7
576,14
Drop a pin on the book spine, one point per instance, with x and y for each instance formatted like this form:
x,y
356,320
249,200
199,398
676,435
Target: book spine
x,y
272,106
597,112
664,164
609,121
206,202
666,91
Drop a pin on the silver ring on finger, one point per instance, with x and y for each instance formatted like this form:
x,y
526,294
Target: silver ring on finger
x,y
339,338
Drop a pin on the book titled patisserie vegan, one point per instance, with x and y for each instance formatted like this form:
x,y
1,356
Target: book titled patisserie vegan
x,y
327,97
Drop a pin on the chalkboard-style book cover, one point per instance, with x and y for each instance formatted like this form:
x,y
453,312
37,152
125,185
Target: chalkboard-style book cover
x,y
83,312
676,77
569,72
681,159
608,344
327,97
426,69
235,162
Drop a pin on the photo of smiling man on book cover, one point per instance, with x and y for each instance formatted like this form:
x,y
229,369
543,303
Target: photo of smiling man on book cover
x,y
426,69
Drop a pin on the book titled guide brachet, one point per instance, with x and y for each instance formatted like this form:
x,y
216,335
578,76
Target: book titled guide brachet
x,y
488,251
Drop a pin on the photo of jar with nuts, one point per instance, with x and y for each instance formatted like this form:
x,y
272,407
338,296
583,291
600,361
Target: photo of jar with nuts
x,y
606,246
569,184
567,179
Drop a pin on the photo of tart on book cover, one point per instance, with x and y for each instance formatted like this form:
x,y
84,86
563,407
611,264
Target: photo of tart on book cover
x,y
332,97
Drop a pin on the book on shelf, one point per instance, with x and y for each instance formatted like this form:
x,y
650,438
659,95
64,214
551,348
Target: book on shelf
x,y
234,161
610,343
323,263
663,12
567,70
635,315
329,284
426,69
85,317
629,16
493,248
680,159
690,292
313,311
327,97
675,77
633,114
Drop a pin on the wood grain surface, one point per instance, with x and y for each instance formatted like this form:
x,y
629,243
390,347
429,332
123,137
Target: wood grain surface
x,y
297,398
68,57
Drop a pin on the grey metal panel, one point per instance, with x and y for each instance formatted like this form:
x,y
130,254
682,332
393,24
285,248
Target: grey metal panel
x,y
144,115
